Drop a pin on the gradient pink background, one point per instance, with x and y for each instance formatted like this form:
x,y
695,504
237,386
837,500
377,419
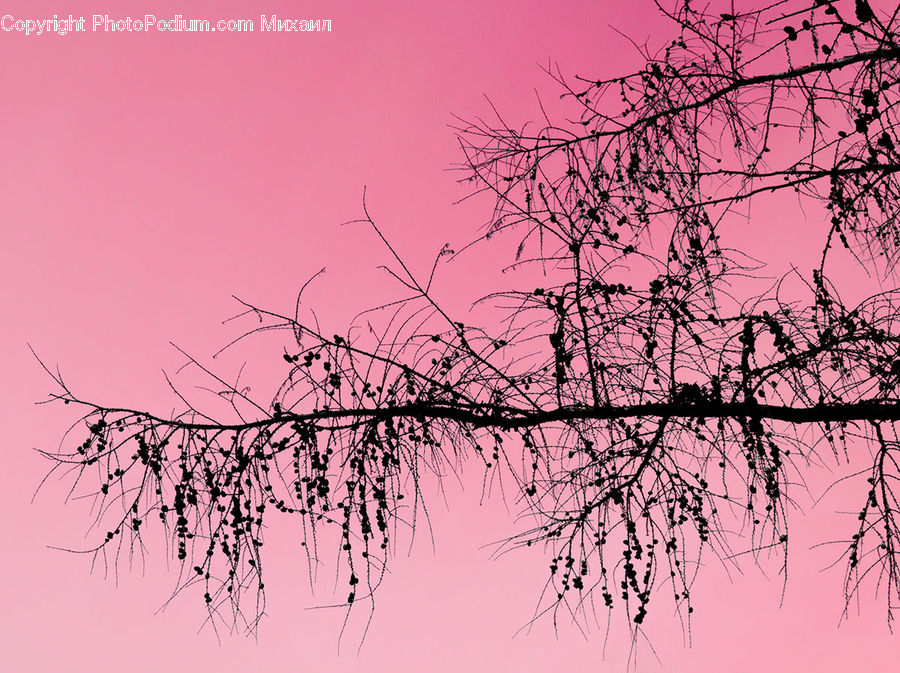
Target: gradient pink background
x,y
145,178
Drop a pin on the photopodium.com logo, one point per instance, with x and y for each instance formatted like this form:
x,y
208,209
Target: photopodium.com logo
x,y
104,23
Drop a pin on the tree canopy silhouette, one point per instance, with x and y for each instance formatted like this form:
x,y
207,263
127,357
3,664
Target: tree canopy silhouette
x,y
640,399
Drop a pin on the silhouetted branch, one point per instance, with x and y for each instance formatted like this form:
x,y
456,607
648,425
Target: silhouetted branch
x,y
648,398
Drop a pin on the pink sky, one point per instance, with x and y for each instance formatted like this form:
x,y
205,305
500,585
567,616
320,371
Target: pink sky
x,y
145,178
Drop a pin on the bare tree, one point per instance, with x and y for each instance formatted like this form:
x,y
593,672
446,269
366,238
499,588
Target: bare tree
x,y
640,404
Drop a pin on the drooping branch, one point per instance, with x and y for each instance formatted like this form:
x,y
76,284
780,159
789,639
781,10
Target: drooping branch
x,y
650,396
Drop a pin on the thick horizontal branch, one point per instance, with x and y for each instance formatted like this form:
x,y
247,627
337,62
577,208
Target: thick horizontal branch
x,y
502,417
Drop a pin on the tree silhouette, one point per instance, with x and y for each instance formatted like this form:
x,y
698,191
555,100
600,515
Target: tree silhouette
x,y
642,406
